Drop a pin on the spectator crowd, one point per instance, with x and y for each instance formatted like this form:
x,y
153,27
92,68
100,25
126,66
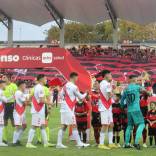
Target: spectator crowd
x,y
136,55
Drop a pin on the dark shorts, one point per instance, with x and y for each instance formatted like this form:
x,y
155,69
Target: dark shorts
x,y
55,98
8,111
144,111
82,126
135,118
46,112
151,131
117,127
96,119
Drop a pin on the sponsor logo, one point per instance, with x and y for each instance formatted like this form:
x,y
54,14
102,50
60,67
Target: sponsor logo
x,y
47,57
31,58
9,58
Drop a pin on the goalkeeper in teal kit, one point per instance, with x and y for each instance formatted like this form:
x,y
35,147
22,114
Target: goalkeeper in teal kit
x,y
131,96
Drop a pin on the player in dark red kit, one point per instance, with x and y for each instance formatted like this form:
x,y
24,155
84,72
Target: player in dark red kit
x,y
81,113
117,118
144,110
151,118
96,121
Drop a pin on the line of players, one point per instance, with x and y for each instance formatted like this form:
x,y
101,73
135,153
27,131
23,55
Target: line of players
x,y
73,112
13,103
147,106
106,112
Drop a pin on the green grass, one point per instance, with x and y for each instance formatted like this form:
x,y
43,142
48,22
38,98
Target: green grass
x,y
71,151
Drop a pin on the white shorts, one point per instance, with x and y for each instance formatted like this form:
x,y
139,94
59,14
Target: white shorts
x,y
2,119
106,117
38,119
19,120
68,118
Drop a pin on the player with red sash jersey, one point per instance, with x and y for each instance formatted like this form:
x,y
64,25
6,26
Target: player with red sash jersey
x,y
69,94
96,120
105,108
19,112
3,99
38,112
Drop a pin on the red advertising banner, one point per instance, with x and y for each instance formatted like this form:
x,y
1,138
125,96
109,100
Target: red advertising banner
x,y
45,57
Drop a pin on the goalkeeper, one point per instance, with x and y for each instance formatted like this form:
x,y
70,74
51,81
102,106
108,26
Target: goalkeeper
x,y
131,96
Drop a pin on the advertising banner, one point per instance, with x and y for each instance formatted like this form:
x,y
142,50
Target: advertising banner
x,y
61,59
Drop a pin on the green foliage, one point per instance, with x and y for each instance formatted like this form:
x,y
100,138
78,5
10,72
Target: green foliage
x,y
82,33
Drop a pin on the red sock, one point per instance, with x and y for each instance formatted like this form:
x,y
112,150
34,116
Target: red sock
x,y
97,134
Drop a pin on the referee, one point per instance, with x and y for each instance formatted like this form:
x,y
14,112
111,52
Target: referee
x,y
9,92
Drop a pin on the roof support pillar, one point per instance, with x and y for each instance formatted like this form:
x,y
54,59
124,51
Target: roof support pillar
x,y
10,33
58,19
115,36
62,33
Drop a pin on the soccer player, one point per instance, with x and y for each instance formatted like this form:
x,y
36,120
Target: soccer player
x,y
96,120
144,108
2,100
135,118
69,93
105,108
55,96
38,112
117,111
9,93
19,113
124,124
81,112
47,112
151,118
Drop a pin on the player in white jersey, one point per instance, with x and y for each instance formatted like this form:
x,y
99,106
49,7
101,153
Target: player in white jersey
x,y
19,112
69,94
2,99
38,112
105,108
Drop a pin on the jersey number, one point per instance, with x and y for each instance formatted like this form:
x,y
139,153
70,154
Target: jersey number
x,y
130,98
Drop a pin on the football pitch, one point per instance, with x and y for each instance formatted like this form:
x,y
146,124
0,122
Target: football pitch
x,y
54,124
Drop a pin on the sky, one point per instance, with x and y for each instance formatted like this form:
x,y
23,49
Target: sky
x,y
25,31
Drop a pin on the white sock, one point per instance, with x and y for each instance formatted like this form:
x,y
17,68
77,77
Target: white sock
x,y
60,137
44,136
88,134
77,137
15,136
31,135
102,138
1,133
72,138
20,134
110,137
